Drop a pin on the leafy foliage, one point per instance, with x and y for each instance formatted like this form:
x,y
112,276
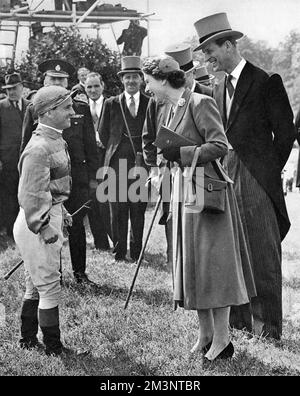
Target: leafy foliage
x,y
68,44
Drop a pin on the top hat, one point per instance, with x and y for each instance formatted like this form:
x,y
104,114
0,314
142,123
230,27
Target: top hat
x,y
11,80
201,74
49,97
182,53
56,68
130,64
214,27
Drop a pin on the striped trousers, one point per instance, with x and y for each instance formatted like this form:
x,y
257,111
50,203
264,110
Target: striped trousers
x,y
263,315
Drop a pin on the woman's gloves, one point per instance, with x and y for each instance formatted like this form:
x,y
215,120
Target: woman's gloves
x,y
171,153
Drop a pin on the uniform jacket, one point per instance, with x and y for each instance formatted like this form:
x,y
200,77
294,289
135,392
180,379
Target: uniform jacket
x,y
80,138
260,128
112,125
10,132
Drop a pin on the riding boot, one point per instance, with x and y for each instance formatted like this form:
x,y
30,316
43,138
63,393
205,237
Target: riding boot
x,y
49,324
29,324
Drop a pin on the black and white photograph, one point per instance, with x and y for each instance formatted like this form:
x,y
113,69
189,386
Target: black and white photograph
x,y
149,191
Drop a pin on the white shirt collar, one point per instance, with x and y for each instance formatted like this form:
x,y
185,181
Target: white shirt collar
x,y
19,103
136,96
236,72
98,101
54,129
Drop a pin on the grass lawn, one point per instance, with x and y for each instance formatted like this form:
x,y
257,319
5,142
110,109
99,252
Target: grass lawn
x,y
149,338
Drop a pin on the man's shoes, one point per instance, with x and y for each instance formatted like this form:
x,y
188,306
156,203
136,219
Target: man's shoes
x,y
82,278
62,351
121,257
105,248
30,343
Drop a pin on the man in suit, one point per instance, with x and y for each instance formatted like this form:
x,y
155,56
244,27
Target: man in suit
x,y
156,116
124,146
182,53
132,38
80,137
12,111
258,122
80,87
99,217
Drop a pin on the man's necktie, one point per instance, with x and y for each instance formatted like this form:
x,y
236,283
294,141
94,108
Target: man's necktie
x,y
94,112
132,106
229,85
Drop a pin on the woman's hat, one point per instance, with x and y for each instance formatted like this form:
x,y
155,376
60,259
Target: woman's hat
x,y
56,68
11,80
182,53
201,74
130,64
214,27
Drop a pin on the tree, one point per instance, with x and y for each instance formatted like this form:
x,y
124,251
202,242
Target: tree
x,y
257,52
68,44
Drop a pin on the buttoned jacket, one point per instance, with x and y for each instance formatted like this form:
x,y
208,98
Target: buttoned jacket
x,y
11,120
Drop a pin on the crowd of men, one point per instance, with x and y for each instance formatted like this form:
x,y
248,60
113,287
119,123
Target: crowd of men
x,y
104,131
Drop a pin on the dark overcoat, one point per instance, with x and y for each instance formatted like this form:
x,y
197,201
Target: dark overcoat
x,y
11,120
261,130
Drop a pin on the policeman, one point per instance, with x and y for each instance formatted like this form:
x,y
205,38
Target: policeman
x,y
45,184
82,147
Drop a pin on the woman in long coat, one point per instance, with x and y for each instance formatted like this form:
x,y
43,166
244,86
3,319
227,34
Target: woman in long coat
x,y
211,267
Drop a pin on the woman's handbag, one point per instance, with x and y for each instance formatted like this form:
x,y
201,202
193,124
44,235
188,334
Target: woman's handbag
x,y
203,193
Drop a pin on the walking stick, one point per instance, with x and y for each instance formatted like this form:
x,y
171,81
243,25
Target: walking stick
x,y
9,273
143,250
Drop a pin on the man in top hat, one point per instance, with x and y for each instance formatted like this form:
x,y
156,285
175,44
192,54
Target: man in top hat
x,y
12,110
45,184
182,53
258,122
203,77
80,137
123,148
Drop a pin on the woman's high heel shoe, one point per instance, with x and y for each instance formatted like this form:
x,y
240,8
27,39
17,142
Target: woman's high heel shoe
x,y
226,353
205,349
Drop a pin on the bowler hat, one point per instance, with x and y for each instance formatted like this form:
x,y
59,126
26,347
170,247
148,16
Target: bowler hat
x,y
201,74
214,27
130,64
11,80
56,68
49,97
182,53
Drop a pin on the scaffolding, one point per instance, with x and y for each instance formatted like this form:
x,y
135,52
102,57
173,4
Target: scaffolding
x,y
98,14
